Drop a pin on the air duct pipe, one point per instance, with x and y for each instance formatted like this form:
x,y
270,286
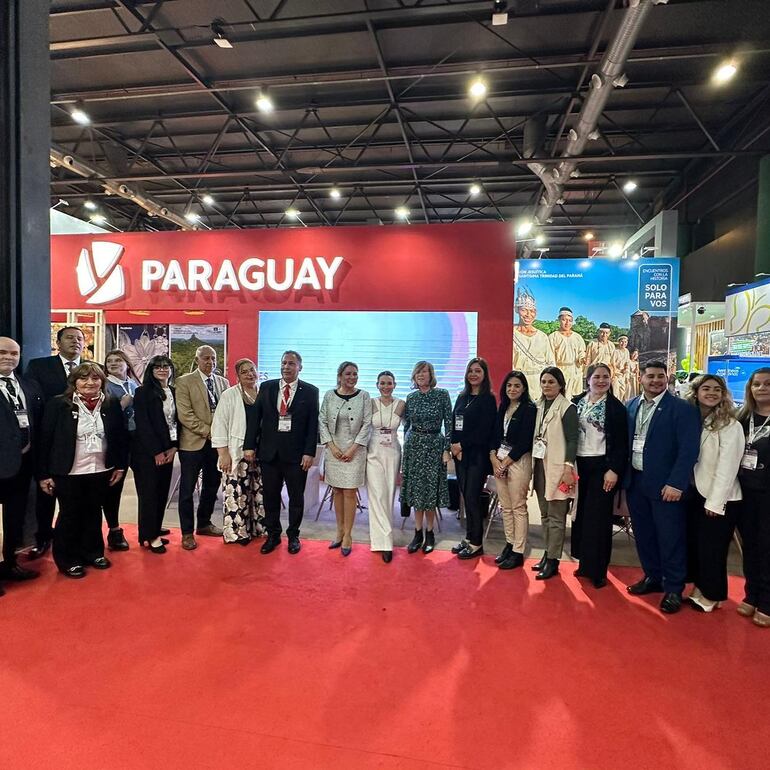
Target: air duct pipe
x,y
608,76
82,168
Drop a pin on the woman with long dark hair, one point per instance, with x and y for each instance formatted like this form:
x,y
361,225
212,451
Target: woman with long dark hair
x,y
754,517
511,458
602,455
83,451
554,450
154,448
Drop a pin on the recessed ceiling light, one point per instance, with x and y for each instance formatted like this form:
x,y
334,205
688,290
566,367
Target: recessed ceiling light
x,y
630,186
474,189
79,115
477,88
725,72
208,200
292,213
335,193
265,103
589,236
402,212
90,205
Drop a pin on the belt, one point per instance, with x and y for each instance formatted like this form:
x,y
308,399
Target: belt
x,y
425,431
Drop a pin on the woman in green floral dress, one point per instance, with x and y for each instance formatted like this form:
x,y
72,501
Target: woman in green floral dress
x,y
426,453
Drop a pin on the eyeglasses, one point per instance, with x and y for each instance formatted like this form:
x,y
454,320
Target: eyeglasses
x,y
161,366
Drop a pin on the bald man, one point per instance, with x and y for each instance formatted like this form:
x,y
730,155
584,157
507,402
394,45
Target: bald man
x,y
197,396
21,406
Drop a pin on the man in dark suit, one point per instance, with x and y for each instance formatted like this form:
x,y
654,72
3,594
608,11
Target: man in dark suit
x,y
21,406
284,425
50,374
664,443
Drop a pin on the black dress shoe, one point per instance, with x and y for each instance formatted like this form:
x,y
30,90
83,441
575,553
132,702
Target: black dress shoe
x,y
387,556
101,563
416,543
41,549
514,560
74,572
116,540
504,554
461,546
17,573
671,603
579,573
600,582
540,566
272,542
470,553
294,545
550,569
164,531
645,586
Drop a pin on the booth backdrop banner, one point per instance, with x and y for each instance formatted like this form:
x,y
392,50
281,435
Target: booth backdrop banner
x,y
226,277
187,338
140,342
636,298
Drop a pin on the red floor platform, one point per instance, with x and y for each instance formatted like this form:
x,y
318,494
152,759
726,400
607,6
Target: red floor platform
x,y
223,657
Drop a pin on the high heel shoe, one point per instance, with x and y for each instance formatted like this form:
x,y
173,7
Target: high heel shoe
x,y
335,544
346,551
154,548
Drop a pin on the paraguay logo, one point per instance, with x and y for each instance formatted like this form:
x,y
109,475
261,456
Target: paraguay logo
x,y
100,277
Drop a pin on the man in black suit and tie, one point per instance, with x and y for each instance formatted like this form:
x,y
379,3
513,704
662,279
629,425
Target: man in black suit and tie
x,y
284,425
50,374
21,406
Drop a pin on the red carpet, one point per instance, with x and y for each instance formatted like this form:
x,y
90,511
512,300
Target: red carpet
x,y
227,658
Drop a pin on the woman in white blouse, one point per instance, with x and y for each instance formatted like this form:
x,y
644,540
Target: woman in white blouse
x,y
242,499
712,507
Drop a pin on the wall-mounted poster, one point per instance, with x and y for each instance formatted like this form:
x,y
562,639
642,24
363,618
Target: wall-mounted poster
x,y
572,313
186,338
140,342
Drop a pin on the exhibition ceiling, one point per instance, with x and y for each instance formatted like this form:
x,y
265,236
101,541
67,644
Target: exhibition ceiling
x,y
345,112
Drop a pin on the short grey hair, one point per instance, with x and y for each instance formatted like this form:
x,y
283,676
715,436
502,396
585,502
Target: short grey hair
x,y
201,348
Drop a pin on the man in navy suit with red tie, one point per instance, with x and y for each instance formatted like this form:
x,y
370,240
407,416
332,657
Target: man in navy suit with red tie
x,y
284,425
21,406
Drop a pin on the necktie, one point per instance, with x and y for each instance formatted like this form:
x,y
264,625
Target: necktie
x,y
285,400
212,393
69,365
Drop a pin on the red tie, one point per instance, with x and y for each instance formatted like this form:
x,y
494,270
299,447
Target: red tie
x,y
285,400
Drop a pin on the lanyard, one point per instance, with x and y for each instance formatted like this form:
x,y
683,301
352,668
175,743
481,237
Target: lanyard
x,y
753,433
390,416
644,419
546,421
508,417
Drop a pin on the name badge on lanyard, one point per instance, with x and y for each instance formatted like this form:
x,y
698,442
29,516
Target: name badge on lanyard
x,y
459,419
172,432
23,418
503,451
750,459
638,445
538,448
386,436
284,423
93,444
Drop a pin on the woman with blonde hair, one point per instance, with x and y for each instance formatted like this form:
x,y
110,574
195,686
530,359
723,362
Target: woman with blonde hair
x,y
344,424
754,517
242,481
426,453
712,500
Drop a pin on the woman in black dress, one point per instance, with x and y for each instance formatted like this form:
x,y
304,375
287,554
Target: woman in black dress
x,y
601,462
154,447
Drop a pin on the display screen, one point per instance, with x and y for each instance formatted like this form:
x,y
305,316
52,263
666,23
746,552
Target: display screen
x,y
736,372
374,340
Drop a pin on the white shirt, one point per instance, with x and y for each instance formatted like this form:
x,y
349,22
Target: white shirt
x,y
641,427
89,462
292,392
19,391
75,362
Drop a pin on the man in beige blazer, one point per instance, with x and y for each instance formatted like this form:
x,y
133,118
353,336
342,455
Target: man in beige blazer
x,y
197,396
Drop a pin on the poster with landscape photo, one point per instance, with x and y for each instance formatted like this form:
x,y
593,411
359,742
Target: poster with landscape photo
x,y
186,338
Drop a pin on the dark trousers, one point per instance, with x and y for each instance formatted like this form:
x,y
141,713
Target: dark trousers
x,y
14,493
708,541
77,539
472,472
193,462
754,528
112,503
660,530
45,507
274,475
591,541
152,485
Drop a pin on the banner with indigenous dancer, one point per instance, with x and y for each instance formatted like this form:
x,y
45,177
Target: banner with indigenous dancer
x,y
572,313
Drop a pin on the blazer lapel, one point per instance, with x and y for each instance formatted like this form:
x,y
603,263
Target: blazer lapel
x,y
658,413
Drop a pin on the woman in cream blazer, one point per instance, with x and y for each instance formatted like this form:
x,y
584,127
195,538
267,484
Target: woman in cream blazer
x,y
242,498
712,506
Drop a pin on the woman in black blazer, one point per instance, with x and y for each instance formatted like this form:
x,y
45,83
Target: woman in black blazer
x,y
510,452
153,449
473,420
83,452
601,461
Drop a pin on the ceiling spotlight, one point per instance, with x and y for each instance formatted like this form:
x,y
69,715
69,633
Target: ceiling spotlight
x,y
98,219
192,217
630,186
725,72
79,115
207,200
292,213
402,212
539,239
474,189
264,102
478,88
589,236
499,13
524,229
335,193
220,39
616,249
90,205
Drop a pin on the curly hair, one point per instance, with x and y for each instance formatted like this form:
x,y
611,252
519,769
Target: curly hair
x,y
722,414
